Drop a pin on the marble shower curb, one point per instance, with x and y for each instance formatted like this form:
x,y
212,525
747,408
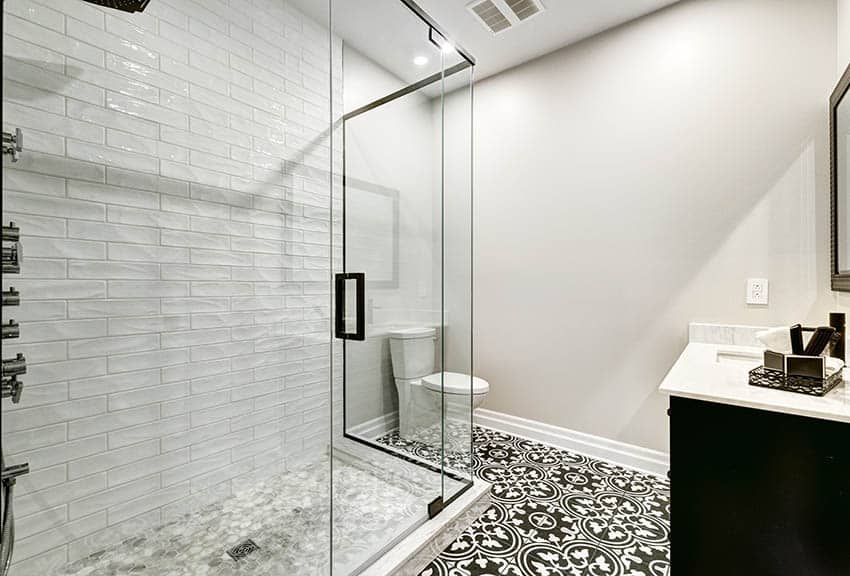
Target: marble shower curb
x,y
410,556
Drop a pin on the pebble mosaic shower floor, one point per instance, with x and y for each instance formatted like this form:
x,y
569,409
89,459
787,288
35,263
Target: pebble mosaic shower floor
x,y
555,513
286,517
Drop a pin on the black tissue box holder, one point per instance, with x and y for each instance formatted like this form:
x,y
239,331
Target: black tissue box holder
x,y
767,378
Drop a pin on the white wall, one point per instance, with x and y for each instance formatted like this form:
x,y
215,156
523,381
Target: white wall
x,y
174,207
398,146
630,184
843,35
389,149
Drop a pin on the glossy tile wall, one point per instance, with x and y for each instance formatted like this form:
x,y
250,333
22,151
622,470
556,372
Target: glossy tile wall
x,y
175,311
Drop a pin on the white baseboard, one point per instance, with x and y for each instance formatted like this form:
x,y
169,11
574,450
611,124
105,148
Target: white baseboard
x,y
628,455
376,427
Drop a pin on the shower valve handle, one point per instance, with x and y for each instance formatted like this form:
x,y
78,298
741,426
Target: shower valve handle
x,y
12,258
13,144
14,366
11,233
11,330
12,388
11,297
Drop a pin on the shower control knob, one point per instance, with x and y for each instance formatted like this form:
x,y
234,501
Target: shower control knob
x,y
11,330
13,144
14,366
12,388
11,233
11,297
12,256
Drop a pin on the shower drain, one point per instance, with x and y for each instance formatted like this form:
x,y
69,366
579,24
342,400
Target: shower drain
x,y
243,549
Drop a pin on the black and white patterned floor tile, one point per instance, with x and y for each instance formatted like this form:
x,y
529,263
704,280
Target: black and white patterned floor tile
x,y
556,513
427,445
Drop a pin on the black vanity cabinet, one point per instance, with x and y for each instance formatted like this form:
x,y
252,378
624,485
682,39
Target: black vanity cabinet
x,y
757,493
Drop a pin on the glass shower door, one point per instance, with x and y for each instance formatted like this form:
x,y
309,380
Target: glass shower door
x,y
402,278
387,270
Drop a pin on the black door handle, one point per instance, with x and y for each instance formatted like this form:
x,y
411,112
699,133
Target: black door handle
x,y
360,318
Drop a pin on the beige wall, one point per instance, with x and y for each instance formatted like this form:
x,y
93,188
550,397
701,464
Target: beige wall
x,y
630,184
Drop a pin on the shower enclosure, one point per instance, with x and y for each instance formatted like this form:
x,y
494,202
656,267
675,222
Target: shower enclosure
x,y
222,212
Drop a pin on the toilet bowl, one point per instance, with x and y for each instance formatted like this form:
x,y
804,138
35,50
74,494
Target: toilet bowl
x,y
421,391
456,395
455,389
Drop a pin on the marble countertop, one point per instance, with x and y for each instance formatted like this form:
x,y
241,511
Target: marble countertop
x,y
703,374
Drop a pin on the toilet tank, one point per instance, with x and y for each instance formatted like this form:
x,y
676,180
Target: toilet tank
x,y
412,351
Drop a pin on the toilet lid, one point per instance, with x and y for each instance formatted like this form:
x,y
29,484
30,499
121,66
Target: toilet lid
x,y
454,383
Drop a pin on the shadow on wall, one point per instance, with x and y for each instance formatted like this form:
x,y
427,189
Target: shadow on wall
x,y
665,162
780,226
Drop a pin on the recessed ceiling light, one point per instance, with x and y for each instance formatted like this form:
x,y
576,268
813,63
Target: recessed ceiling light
x,y
420,60
440,41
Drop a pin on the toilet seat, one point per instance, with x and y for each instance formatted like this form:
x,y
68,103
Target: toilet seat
x,y
455,383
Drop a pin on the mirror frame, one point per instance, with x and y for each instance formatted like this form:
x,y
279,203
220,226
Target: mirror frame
x,y
839,281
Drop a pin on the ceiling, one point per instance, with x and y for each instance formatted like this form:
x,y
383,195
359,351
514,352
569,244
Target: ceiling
x,y
562,22
390,34
386,31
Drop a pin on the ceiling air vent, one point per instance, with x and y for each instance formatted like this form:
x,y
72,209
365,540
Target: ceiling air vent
x,y
499,15
490,15
524,9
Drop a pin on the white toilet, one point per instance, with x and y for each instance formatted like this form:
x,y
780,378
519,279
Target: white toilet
x,y
456,388
419,387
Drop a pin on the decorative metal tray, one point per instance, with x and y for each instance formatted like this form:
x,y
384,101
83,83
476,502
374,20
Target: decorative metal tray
x,y
765,378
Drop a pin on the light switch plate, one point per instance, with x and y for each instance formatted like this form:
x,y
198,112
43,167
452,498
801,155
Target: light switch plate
x,y
757,291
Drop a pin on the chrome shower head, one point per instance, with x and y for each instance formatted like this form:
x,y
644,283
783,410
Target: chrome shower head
x,y
125,5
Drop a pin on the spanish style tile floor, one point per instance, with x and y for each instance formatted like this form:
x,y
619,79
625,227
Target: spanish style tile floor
x,y
556,513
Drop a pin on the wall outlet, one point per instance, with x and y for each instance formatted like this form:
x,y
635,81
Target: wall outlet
x,y
757,291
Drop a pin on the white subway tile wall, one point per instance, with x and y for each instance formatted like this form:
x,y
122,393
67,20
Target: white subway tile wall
x,y
174,204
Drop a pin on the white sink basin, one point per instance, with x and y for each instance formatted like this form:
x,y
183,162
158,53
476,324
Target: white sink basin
x,y
743,359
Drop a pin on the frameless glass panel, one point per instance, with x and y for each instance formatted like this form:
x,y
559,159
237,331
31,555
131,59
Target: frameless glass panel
x,y
391,235
392,167
387,217
459,394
